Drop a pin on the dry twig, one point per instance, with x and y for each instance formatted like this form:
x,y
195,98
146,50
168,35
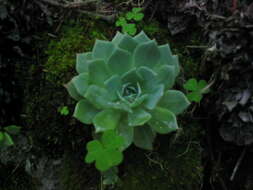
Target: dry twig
x,y
76,6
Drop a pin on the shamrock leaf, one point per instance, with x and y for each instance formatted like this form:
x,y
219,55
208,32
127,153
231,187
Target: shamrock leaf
x,y
135,14
130,15
121,21
196,88
64,110
105,152
136,10
130,29
5,140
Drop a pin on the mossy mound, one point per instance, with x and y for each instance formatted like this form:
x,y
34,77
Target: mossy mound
x,y
75,37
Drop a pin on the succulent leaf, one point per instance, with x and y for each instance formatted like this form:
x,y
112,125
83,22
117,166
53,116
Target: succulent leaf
x,y
82,62
113,85
138,117
127,43
163,121
119,62
144,137
73,91
81,83
141,38
127,132
98,96
106,120
146,54
102,49
117,38
98,72
131,77
149,78
166,75
168,59
85,111
154,96
175,101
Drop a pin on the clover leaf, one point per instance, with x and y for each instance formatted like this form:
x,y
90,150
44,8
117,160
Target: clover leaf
x,y
130,29
121,21
135,14
196,89
105,152
5,140
64,110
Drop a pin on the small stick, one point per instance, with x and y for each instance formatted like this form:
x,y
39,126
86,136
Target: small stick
x,y
197,47
108,18
238,163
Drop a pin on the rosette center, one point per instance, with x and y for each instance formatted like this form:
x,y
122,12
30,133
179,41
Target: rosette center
x,y
131,91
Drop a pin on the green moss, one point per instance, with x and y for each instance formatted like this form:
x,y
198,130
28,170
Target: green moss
x,y
175,165
75,37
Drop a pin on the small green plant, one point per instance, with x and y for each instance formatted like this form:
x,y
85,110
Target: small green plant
x,y
123,88
105,152
64,110
133,16
197,89
5,135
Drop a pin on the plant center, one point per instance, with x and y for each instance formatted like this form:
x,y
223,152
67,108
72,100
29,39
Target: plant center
x,y
130,91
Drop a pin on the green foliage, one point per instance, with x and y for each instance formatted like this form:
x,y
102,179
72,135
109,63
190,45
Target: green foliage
x,y
132,16
135,14
124,87
197,89
64,110
106,152
5,138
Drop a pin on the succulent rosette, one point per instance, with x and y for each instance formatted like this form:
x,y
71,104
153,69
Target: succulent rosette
x,y
124,86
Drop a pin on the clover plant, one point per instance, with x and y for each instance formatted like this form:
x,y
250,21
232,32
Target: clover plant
x,y
197,89
5,135
123,88
133,16
64,110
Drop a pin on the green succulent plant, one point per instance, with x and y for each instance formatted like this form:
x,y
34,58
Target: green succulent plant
x,y
123,89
